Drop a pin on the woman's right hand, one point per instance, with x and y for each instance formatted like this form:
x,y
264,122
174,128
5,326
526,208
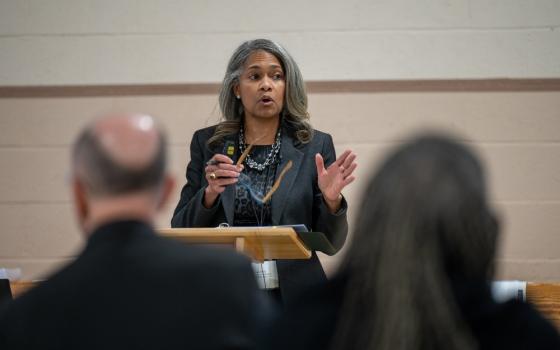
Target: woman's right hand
x,y
220,172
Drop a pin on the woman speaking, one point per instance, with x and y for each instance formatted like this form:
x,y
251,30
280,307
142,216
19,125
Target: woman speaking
x,y
288,174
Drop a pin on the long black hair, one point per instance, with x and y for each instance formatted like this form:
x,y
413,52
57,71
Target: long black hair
x,y
424,219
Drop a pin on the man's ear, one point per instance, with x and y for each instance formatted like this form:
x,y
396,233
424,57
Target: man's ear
x,y
166,190
81,202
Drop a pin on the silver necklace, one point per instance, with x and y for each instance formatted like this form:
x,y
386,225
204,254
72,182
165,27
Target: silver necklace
x,y
251,163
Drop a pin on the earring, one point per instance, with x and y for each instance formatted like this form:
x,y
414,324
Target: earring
x,y
238,97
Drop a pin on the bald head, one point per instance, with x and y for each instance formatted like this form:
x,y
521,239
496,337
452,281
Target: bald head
x,y
120,154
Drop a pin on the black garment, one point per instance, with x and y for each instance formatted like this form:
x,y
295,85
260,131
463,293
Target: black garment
x,y
5,290
298,200
253,185
132,289
512,325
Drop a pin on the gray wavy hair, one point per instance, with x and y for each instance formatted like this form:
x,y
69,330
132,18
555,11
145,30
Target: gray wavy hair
x,y
294,112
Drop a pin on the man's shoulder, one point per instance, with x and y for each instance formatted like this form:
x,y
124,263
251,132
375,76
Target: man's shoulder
x,y
196,256
150,248
139,247
203,266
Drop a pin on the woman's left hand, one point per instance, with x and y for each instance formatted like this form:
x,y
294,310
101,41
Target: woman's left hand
x,y
333,179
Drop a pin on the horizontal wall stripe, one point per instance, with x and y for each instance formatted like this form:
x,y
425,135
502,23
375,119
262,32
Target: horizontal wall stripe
x,y
459,85
107,90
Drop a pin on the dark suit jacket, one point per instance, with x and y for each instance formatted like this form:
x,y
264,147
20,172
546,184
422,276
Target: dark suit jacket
x,y
298,200
132,289
312,323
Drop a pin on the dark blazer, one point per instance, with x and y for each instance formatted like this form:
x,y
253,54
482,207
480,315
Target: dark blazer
x,y
514,325
132,289
298,200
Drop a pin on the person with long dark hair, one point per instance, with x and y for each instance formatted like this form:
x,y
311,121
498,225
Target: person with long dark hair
x,y
417,273
264,110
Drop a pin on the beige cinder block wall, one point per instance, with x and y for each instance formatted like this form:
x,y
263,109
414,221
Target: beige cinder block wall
x,y
515,132
63,49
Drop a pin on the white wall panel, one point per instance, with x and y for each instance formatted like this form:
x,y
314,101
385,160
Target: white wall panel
x,y
145,42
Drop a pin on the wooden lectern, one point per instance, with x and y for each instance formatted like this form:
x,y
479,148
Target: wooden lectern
x,y
259,243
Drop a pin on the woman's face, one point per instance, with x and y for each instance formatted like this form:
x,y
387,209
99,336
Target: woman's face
x,y
261,86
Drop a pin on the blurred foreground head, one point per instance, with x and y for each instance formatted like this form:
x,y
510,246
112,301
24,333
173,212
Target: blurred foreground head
x,y
424,225
119,170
